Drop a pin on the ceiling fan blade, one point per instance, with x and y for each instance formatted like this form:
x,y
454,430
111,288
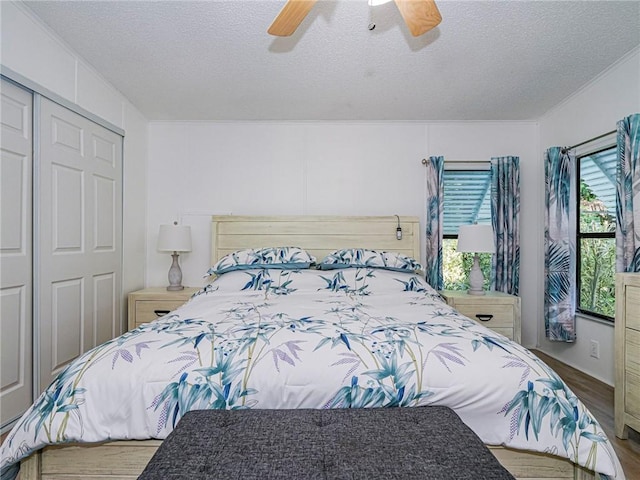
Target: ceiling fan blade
x,y
290,17
419,15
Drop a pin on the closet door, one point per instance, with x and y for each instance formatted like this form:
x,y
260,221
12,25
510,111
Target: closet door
x,y
79,239
16,339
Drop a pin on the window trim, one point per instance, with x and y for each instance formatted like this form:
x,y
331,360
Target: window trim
x,y
587,235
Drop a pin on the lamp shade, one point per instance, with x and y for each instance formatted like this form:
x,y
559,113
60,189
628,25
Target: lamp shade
x,y
174,238
476,239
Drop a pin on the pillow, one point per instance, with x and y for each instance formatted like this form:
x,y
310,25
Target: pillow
x,y
361,257
284,258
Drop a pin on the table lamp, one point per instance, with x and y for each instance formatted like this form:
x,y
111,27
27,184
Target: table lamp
x,y
476,239
174,238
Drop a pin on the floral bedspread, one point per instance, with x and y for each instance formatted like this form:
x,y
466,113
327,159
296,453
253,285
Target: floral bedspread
x,y
349,338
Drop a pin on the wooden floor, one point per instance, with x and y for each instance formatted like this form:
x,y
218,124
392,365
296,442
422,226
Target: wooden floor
x,y
598,397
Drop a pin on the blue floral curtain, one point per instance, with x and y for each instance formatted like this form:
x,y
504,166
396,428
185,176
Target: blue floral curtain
x,y
505,217
560,246
628,195
435,209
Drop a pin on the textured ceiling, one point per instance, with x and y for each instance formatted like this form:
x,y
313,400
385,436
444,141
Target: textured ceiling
x,y
213,60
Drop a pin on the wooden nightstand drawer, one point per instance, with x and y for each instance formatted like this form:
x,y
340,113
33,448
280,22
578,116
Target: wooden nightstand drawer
x,y
491,316
499,318
150,310
152,303
496,310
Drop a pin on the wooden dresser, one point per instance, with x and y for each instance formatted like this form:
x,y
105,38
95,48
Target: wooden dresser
x,y
496,310
627,335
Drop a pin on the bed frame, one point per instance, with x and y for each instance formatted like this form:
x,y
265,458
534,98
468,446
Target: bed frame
x,y
319,235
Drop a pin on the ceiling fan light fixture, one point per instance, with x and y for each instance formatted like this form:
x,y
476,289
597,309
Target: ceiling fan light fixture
x,y
419,15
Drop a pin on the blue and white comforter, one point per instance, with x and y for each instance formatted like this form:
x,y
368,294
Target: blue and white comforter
x,y
350,338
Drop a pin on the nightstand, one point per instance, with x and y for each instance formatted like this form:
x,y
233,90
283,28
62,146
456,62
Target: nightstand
x,y
496,310
151,303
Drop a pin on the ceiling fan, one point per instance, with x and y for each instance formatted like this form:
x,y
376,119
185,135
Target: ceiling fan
x,y
419,15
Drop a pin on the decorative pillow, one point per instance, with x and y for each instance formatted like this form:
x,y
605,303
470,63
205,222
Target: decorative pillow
x,y
284,258
361,257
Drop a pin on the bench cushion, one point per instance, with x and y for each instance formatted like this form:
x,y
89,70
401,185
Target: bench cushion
x,y
419,443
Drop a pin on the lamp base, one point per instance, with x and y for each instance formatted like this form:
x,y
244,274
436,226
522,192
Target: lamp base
x,y
476,279
175,275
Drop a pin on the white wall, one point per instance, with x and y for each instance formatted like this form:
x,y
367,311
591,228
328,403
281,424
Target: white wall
x,y
592,111
332,168
34,52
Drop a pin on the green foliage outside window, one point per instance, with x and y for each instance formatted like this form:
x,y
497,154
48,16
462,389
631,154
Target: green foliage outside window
x,y
456,266
597,255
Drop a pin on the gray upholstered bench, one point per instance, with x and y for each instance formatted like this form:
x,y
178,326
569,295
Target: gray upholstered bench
x,y
385,443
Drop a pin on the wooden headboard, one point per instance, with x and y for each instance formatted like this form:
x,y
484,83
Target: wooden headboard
x,y
319,235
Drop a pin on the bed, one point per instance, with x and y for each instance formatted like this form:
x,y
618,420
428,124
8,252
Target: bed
x,y
272,332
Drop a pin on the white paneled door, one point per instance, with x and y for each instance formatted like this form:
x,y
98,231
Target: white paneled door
x,y
79,206
16,161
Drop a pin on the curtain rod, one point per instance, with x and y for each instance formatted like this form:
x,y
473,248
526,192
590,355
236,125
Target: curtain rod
x,y
565,149
424,161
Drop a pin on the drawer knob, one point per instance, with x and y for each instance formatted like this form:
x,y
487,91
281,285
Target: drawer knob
x,y
161,313
484,317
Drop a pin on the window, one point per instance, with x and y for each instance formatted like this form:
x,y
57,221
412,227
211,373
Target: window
x,y
467,199
596,226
